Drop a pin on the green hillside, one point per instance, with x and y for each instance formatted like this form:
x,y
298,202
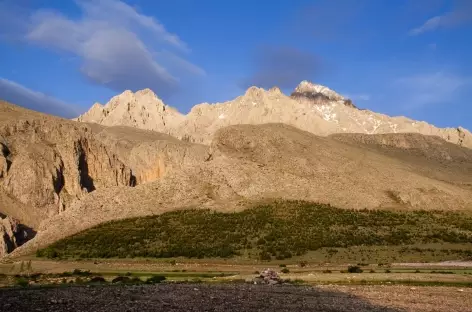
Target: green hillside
x,y
281,230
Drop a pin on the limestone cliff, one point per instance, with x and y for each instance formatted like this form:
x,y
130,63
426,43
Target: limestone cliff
x,y
46,163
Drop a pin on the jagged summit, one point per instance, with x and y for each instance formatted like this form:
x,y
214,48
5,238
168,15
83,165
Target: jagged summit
x,y
306,87
142,109
311,107
319,94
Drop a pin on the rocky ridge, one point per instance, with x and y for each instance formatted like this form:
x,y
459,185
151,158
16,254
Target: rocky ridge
x,y
311,107
253,163
49,162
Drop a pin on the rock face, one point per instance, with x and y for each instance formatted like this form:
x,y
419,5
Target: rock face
x,y
150,155
142,109
311,107
252,163
47,163
12,235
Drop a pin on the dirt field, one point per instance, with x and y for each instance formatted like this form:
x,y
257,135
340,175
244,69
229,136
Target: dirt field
x,y
236,297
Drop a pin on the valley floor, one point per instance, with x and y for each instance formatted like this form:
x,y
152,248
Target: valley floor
x,y
236,297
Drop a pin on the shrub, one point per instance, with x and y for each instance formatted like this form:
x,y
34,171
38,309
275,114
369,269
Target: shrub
x,y
285,270
21,281
354,269
265,256
388,271
372,271
172,262
78,280
121,280
98,280
81,273
135,280
256,272
282,265
303,264
327,271
155,279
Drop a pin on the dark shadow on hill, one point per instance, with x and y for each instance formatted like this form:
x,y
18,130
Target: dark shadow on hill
x,y
189,297
86,181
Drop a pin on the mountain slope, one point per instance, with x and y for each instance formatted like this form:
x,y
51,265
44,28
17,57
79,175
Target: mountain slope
x,y
311,107
253,163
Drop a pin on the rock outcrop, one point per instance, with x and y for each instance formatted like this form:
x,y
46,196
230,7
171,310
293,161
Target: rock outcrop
x,y
12,235
47,163
149,154
142,109
311,107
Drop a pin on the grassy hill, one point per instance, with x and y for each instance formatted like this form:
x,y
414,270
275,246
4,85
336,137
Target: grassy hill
x,y
279,230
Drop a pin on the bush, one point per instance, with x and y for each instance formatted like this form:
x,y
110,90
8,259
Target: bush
x,y
388,271
21,281
372,271
121,280
135,280
354,269
81,273
97,280
282,265
285,270
256,272
78,280
303,264
155,279
327,271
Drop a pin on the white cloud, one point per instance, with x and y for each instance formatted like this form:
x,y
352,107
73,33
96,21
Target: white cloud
x,y
460,14
16,93
118,47
431,24
439,87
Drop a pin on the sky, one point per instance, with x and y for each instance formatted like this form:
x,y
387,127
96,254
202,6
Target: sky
x,y
402,57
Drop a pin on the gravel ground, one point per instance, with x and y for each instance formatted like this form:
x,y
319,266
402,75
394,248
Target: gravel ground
x,y
235,297
183,297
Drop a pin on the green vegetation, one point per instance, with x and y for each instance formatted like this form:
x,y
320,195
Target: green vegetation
x,y
279,230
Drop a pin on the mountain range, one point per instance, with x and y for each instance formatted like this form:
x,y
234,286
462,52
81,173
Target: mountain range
x,y
310,107
136,156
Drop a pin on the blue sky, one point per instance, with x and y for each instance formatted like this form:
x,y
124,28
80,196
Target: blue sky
x,y
403,57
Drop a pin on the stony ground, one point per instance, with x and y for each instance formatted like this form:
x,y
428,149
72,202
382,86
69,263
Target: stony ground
x,y
236,297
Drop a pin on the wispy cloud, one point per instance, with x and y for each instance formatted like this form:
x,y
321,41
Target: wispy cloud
x,y
283,67
432,88
459,15
16,93
117,46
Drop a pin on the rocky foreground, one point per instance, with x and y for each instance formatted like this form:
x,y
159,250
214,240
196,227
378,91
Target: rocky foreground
x,y
236,297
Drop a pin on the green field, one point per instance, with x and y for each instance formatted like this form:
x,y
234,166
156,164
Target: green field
x,y
277,231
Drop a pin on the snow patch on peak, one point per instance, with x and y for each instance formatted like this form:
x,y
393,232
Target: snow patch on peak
x,y
306,87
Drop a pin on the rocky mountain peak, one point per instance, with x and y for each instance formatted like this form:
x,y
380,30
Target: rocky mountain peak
x,y
319,94
309,88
